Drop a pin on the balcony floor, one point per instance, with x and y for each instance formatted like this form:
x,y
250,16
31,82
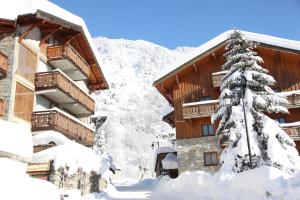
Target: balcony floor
x,y
64,101
68,68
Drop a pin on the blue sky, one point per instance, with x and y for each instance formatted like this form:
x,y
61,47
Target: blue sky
x,y
173,23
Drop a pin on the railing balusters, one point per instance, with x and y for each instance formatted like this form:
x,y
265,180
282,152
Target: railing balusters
x,y
54,120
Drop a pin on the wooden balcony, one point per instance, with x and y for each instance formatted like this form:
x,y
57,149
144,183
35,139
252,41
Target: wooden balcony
x,y
293,132
2,107
3,65
217,78
199,109
294,101
57,87
67,59
59,121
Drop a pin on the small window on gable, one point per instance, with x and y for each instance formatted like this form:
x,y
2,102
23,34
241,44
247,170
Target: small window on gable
x,y
207,130
210,158
281,120
204,98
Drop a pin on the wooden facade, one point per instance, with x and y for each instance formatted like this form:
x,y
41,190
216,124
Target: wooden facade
x,y
3,65
58,121
200,78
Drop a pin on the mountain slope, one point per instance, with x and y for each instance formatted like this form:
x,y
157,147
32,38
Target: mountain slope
x,y
134,107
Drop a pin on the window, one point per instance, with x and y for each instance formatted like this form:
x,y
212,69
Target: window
x,y
207,130
204,98
281,120
210,158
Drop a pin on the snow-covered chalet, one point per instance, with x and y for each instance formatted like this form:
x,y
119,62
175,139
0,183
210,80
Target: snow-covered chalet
x,y
192,87
49,67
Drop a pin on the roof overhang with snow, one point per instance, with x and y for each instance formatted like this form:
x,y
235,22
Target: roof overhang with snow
x,y
53,19
217,43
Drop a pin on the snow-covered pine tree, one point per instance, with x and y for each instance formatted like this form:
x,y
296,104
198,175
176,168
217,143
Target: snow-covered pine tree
x,y
247,80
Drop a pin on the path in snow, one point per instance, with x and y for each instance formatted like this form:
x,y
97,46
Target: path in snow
x,y
131,192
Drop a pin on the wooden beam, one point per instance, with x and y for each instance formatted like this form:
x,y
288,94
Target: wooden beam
x,y
73,36
48,35
195,67
29,30
177,79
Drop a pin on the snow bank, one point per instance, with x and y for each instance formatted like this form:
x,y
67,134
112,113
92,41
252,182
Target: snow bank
x,y
45,137
15,184
170,161
74,156
260,183
16,139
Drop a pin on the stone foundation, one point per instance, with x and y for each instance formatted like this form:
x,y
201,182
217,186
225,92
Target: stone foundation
x,y
190,153
86,182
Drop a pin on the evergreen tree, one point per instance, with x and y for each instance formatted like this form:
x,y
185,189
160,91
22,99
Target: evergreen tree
x,y
246,82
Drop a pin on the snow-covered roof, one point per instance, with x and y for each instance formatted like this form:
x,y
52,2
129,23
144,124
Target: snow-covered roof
x,y
11,9
164,150
170,161
47,136
255,37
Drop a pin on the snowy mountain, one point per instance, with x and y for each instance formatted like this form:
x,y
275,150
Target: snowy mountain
x,y
133,106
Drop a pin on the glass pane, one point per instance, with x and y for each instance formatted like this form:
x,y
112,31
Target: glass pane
x,y
204,98
204,130
211,130
207,160
214,158
281,120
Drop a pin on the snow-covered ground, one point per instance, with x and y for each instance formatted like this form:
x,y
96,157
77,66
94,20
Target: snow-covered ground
x,y
263,183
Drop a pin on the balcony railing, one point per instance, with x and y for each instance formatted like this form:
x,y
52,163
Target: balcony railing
x,y
217,78
3,64
199,109
57,80
293,132
294,101
59,121
2,107
68,60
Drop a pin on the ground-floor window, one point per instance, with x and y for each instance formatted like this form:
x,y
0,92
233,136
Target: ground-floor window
x,y
210,158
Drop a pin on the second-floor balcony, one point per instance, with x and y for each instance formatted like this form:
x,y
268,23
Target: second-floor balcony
x,y
57,120
294,100
2,106
199,109
57,87
3,65
67,59
292,129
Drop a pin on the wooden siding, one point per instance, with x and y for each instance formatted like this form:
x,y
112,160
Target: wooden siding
x,y
55,79
197,81
55,120
2,107
3,65
27,63
23,106
192,128
68,52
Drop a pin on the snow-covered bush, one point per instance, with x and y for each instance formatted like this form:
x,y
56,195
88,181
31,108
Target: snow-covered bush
x,y
246,89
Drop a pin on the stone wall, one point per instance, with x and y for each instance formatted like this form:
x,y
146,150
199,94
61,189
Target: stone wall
x,y
190,153
86,182
7,46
